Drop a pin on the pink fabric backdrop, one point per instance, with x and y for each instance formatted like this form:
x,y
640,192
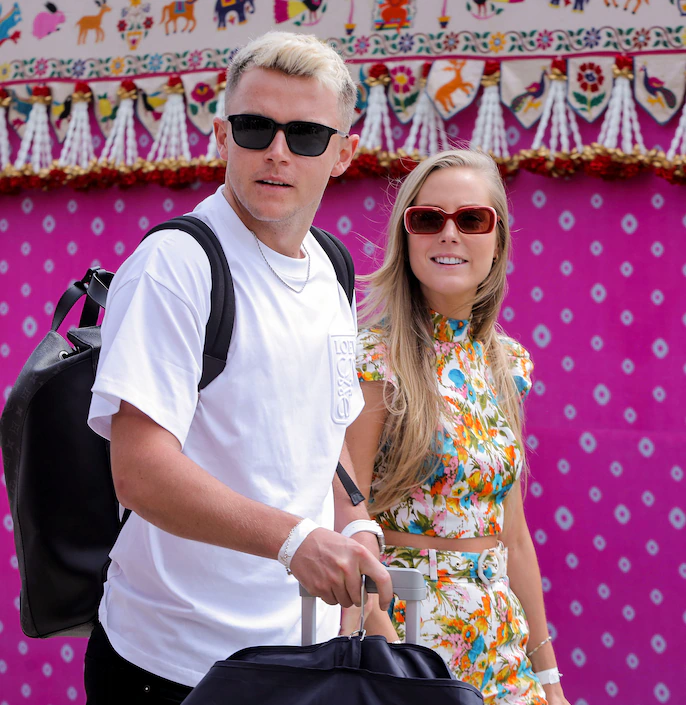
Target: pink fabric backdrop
x,y
596,294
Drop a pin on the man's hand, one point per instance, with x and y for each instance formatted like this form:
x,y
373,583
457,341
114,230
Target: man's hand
x,y
330,566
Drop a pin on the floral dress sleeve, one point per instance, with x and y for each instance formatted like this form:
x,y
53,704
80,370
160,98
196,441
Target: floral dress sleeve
x,y
521,364
371,357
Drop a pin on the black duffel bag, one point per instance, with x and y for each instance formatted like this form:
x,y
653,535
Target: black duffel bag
x,y
347,670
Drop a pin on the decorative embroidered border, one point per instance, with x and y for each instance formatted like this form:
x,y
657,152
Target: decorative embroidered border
x,y
391,47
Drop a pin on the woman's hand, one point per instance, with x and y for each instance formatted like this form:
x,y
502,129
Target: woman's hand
x,y
376,621
554,694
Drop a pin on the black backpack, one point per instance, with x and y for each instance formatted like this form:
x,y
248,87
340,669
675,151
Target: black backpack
x,y
57,470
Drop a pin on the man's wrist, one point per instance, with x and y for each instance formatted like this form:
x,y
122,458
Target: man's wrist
x,y
293,541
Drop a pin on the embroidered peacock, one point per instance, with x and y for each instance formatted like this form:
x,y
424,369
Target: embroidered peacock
x,y
656,88
533,93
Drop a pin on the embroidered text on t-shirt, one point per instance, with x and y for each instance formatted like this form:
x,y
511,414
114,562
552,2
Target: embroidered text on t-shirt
x,y
342,350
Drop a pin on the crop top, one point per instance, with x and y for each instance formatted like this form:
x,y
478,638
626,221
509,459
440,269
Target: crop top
x,y
479,456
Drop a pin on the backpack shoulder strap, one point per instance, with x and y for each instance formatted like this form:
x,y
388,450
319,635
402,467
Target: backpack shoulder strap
x,y
340,258
223,302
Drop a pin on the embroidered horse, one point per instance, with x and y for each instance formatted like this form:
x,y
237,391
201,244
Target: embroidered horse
x,y
174,11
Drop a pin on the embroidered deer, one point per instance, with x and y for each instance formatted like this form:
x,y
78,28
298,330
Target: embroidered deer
x,y
626,4
88,22
445,92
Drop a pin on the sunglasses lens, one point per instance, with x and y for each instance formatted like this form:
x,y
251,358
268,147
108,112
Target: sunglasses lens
x,y
425,222
252,131
307,139
475,221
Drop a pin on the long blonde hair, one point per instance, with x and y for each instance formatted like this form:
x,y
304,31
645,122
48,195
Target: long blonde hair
x,y
395,303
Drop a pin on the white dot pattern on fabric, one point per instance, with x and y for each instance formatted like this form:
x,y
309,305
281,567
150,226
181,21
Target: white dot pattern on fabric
x,y
344,225
604,422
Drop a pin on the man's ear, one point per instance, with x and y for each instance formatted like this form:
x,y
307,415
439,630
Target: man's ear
x,y
346,154
221,127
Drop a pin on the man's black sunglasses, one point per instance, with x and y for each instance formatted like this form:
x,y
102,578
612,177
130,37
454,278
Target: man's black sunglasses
x,y
308,139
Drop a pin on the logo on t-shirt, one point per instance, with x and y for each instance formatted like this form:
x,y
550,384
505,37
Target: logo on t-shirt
x,y
342,355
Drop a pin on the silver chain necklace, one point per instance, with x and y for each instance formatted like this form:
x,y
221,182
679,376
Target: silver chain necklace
x,y
285,283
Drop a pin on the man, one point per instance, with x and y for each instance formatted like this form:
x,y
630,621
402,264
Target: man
x,y
224,482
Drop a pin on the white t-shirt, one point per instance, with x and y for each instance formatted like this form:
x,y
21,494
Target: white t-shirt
x,y
271,427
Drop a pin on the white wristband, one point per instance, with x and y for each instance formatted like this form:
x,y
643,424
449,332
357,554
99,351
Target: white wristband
x,y
549,676
358,525
292,543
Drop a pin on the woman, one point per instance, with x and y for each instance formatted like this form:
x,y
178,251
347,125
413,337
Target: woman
x,y
438,447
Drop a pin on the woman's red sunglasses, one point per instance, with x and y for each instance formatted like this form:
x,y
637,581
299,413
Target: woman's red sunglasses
x,y
469,220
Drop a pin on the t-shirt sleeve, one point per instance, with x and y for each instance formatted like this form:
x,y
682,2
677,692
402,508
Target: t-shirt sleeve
x,y
521,365
371,358
153,338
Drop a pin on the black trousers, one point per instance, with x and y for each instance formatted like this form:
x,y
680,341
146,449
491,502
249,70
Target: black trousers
x,y
112,680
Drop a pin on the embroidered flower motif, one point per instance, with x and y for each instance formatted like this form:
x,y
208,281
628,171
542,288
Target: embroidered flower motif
x,y
497,42
406,42
544,40
155,62
641,39
451,42
122,25
147,23
41,67
117,66
592,38
5,72
402,78
361,45
202,93
590,77
194,59
78,68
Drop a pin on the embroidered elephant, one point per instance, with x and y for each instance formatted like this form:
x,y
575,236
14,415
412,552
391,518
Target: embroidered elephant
x,y
223,8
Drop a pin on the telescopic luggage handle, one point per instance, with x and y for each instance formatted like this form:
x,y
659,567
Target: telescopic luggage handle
x,y
408,585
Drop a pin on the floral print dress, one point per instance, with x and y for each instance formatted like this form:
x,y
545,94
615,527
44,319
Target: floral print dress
x,y
471,616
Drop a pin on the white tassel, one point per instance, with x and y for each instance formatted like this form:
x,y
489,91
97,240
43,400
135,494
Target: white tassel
x,y
489,130
36,139
4,137
120,146
621,112
218,112
427,123
680,136
558,113
171,141
377,116
78,144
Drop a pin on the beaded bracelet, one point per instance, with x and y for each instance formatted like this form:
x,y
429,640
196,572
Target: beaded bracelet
x,y
533,651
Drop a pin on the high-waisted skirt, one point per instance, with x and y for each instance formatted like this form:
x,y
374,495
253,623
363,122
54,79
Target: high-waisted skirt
x,y
473,620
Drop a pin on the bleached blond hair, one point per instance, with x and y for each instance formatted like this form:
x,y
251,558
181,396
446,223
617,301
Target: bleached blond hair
x,y
297,55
